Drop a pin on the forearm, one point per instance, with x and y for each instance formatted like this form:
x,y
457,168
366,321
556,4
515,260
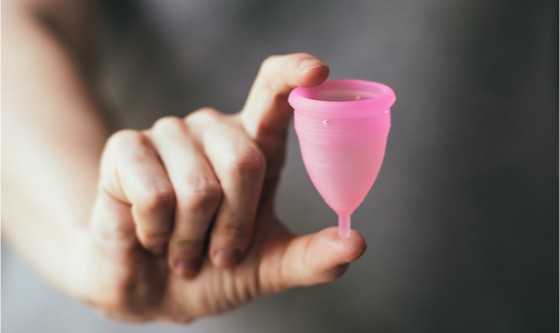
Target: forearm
x,y
52,141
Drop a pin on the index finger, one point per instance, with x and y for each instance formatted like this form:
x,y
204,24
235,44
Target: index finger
x,y
266,112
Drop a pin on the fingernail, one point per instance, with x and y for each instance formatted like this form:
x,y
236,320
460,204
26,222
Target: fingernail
x,y
228,258
309,64
186,267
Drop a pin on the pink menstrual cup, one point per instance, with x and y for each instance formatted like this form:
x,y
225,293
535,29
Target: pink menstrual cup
x,y
342,127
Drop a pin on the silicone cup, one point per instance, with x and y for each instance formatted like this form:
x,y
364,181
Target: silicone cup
x,y
342,128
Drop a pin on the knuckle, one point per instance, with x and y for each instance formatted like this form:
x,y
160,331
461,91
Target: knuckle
x,y
268,71
269,62
201,194
203,115
125,139
157,200
167,123
208,111
248,162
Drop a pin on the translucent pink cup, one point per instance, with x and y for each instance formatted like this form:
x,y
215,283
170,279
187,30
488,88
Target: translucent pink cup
x,y
342,127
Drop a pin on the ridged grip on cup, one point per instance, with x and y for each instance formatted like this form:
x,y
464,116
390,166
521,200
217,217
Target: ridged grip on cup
x,y
342,127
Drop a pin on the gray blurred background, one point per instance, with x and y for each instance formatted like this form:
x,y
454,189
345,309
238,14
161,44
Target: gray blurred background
x,y
462,223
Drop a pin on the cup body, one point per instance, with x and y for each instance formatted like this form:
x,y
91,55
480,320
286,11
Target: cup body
x,y
342,128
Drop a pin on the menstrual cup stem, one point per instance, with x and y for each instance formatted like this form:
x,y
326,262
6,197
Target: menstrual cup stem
x,y
344,226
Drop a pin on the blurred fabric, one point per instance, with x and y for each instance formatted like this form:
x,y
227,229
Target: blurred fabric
x,y
462,223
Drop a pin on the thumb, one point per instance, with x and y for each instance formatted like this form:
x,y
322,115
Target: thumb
x,y
315,258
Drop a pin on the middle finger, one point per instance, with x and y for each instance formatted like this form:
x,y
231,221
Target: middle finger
x,y
240,167
197,190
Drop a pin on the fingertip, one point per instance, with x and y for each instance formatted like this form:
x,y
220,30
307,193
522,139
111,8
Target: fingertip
x,y
186,268
358,245
330,254
348,248
226,258
185,256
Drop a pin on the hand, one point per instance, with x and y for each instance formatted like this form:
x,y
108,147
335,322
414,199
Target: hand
x,y
184,225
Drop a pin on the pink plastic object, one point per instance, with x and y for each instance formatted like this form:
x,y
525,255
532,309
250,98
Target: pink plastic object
x,y
342,127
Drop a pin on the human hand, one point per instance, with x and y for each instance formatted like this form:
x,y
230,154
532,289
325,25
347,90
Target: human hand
x,y
184,223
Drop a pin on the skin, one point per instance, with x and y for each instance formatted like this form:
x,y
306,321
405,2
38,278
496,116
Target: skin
x,y
170,223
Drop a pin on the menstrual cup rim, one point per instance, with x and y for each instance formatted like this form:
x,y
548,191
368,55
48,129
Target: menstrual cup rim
x,y
380,103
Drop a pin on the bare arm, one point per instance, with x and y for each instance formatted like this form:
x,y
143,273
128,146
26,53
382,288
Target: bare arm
x,y
53,135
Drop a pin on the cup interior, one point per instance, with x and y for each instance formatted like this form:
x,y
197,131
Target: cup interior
x,y
343,91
